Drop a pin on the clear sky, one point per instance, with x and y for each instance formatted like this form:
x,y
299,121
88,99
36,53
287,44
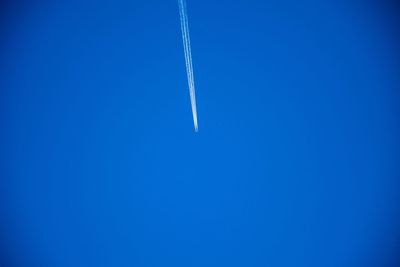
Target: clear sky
x,y
295,162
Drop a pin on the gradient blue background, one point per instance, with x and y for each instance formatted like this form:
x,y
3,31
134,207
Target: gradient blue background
x,y
296,162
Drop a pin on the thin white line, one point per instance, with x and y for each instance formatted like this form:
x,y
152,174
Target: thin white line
x,y
188,59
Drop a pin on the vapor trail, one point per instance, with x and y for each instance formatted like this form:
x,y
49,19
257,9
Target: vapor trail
x,y
188,59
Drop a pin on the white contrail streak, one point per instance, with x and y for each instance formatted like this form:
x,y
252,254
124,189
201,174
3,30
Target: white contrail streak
x,y
188,59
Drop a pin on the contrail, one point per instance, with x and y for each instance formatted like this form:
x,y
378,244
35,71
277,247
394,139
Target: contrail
x,y
188,59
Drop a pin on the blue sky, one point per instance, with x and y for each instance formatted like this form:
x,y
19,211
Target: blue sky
x,y
295,162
